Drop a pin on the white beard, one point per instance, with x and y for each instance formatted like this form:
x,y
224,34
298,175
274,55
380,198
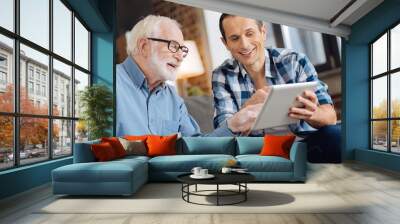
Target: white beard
x,y
160,68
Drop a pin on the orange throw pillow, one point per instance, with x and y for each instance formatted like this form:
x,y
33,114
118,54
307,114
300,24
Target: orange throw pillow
x,y
161,145
136,137
277,145
103,152
116,145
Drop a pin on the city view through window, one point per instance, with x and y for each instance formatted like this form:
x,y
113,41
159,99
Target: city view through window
x,y
43,69
385,82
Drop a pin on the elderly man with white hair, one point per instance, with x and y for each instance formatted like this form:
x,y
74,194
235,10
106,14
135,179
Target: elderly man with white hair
x,y
145,103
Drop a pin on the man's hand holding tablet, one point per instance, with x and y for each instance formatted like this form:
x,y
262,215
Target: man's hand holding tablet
x,y
286,104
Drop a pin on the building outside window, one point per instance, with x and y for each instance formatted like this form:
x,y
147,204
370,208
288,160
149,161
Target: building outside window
x,y
3,71
37,74
38,89
44,77
57,128
3,78
43,90
3,61
30,72
30,87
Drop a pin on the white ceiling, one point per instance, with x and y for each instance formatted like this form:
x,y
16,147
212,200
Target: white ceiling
x,y
320,9
315,15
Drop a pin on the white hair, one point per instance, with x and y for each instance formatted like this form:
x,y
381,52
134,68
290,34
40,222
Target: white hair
x,y
146,27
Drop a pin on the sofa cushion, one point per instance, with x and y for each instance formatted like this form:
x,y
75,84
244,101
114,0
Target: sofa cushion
x,y
116,145
136,137
103,152
131,158
278,145
257,163
185,163
135,147
161,145
83,152
249,145
112,171
206,145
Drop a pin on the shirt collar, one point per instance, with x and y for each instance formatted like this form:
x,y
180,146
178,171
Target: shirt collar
x,y
268,72
136,74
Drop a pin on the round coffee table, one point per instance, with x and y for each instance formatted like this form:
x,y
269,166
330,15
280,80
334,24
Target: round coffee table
x,y
238,179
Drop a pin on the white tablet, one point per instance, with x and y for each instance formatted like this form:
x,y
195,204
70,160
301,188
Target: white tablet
x,y
275,110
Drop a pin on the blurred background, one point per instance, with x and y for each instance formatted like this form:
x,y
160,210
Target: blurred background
x,y
200,28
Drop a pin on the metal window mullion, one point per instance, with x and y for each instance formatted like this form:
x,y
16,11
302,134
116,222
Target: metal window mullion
x,y
42,49
89,54
389,101
50,81
16,85
371,89
114,76
73,82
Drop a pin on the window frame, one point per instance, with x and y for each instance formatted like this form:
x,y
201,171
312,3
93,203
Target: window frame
x,y
16,115
331,48
388,74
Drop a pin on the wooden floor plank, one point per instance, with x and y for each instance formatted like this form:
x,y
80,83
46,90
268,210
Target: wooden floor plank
x,y
377,190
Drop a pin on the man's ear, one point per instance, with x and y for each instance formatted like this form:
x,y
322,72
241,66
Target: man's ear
x,y
264,32
143,47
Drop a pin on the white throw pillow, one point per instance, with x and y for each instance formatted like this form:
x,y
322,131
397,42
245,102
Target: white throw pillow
x,y
137,147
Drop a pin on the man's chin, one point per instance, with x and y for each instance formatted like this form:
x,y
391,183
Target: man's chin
x,y
169,77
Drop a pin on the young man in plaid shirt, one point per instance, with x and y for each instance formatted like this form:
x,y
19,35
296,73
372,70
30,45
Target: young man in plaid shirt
x,y
243,81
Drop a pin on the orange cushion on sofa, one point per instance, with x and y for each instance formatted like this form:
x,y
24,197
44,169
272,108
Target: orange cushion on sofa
x,y
116,145
277,145
161,145
103,152
136,137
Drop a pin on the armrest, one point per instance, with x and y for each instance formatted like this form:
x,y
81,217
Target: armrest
x,y
298,155
83,152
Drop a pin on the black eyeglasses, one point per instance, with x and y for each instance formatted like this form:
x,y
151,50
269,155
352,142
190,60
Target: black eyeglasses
x,y
173,46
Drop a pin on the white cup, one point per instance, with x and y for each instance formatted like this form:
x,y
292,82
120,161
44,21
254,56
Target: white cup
x,y
196,170
226,170
203,172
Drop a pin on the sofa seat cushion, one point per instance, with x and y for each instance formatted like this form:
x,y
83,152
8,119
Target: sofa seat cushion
x,y
113,171
206,145
257,163
133,158
185,163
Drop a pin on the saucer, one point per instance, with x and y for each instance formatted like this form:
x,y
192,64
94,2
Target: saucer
x,y
208,176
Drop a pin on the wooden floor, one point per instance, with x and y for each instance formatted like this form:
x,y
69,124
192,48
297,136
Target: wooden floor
x,y
378,188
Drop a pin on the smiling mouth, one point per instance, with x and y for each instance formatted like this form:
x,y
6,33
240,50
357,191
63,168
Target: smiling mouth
x,y
247,53
173,66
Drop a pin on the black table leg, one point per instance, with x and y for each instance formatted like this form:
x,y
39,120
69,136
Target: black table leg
x,y
188,189
245,193
217,194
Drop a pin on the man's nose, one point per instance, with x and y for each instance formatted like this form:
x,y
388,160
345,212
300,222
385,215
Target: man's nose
x,y
179,55
244,42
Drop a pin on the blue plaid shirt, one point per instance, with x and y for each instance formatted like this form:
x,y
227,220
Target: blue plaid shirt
x,y
232,86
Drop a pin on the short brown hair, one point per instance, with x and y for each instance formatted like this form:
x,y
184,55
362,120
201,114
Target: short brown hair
x,y
221,27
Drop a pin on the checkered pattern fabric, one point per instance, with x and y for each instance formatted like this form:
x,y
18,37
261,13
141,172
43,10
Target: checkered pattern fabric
x,y
232,86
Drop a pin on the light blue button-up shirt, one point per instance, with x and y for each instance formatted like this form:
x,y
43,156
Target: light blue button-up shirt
x,y
159,112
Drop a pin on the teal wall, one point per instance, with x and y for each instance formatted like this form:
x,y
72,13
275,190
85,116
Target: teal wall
x,y
103,51
99,15
356,84
24,178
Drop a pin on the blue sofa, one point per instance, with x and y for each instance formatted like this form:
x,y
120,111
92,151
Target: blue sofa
x,y
125,176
